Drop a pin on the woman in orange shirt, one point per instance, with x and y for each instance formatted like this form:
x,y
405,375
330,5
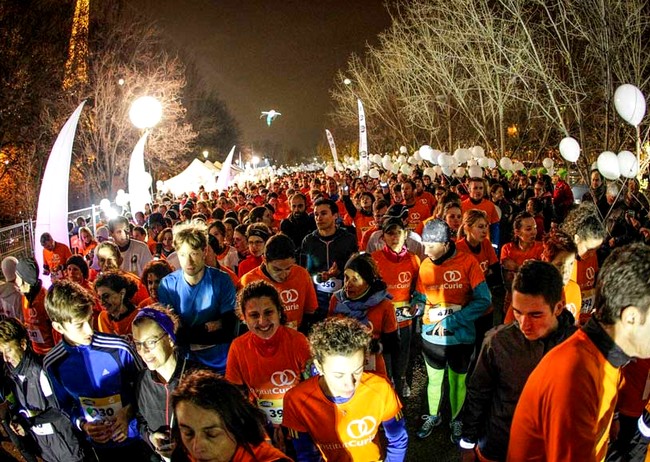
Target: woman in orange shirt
x,y
560,251
115,293
270,358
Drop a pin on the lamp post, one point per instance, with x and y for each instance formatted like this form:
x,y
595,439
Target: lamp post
x,y
145,113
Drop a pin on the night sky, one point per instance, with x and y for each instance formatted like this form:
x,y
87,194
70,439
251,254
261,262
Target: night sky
x,y
274,54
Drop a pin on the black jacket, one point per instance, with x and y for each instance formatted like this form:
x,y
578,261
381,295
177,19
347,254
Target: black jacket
x,y
506,360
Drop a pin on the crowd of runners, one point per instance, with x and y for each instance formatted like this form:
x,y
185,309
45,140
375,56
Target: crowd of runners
x,y
281,321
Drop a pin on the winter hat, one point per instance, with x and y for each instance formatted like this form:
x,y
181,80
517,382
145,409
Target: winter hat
x,y
362,263
79,262
436,231
9,268
27,269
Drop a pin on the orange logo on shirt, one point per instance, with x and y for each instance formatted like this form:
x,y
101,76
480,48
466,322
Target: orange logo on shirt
x,y
452,276
362,428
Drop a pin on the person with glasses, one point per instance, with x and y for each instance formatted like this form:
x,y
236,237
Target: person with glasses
x,y
154,335
256,235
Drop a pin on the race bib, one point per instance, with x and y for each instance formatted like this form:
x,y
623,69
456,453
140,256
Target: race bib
x,y
43,429
571,308
272,408
95,409
439,311
588,298
330,286
35,335
401,312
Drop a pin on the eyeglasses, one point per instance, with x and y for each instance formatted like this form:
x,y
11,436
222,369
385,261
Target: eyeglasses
x,y
149,344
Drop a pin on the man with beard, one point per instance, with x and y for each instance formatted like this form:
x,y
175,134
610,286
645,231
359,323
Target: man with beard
x,y
596,194
299,223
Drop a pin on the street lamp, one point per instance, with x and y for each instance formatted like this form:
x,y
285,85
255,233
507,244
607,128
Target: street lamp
x,y
205,154
145,112
347,81
255,160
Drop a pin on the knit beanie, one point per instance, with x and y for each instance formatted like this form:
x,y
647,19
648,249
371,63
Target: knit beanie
x,y
436,231
27,269
9,268
79,262
361,264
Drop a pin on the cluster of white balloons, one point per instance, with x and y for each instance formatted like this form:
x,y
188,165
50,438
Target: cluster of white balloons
x,y
122,198
613,166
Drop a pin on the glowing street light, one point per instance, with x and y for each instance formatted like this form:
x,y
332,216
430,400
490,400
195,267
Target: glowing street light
x,y
347,81
145,112
205,154
255,160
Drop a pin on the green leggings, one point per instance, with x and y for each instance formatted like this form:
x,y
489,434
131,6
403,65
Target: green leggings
x,y
457,390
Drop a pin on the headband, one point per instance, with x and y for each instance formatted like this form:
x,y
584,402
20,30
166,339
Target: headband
x,y
259,233
162,319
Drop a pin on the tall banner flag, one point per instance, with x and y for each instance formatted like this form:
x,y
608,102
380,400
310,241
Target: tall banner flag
x,y
138,182
363,139
52,210
330,140
224,175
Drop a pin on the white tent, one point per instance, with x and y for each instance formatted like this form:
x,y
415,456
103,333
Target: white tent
x,y
195,175
212,167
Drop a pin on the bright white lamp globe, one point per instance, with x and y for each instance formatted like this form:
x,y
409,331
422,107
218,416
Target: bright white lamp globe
x,y
145,112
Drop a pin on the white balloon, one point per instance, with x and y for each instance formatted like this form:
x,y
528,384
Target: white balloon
x,y
147,179
462,155
120,200
547,163
570,149
120,192
386,163
386,157
473,162
105,204
447,171
402,149
430,171
627,164
478,151
483,162
405,169
377,159
475,171
460,171
608,165
417,157
329,171
437,169
401,159
426,153
445,160
505,163
492,163
159,184
630,104
517,166
394,168
411,160
373,173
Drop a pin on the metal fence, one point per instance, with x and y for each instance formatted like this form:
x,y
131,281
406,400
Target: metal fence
x,y
18,240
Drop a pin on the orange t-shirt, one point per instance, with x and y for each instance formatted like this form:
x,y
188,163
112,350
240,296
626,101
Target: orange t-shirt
x,y
366,237
584,273
343,432
297,292
263,452
634,392
362,223
448,286
382,320
512,252
55,260
485,205
417,214
122,327
400,278
486,256
38,324
427,199
268,374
